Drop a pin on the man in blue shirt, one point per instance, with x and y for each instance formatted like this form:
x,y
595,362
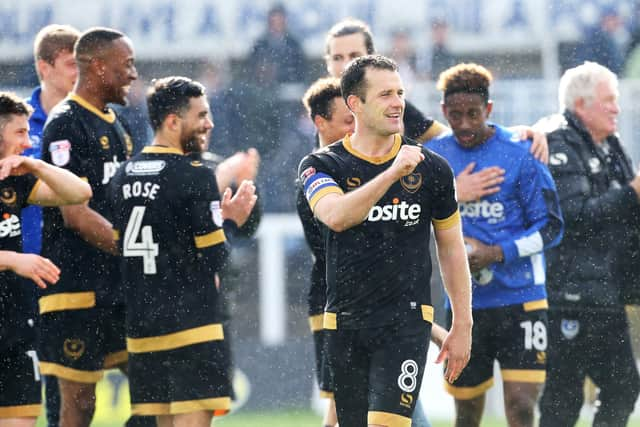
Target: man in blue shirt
x,y
506,234
57,72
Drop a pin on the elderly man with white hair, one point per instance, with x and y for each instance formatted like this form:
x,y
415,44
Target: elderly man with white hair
x,y
591,273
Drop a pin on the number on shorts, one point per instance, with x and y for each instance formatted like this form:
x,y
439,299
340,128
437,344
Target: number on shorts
x,y
34,359
146,247
407,381
535,335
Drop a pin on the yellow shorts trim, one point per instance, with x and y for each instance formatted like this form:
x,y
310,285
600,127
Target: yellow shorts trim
x,y
184,338
315,322
388,419
541,304
70,374
67,301
151,409
220,406
447,223
211,239
20,411
536,376
467,393
114,359
330,321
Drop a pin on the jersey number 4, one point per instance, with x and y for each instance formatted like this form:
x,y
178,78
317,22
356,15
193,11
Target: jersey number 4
x,y
138,241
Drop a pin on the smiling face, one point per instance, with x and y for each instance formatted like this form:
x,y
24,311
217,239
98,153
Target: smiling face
x,y
467,114
118,70
600,114
382,109
14,135
195,126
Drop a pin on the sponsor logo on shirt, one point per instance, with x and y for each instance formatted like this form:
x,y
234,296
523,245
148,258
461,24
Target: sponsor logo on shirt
x,y
110,169
10,226
396,211
492,212
145,167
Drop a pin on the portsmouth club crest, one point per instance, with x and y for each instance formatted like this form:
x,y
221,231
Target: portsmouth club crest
x,y
8,196
569,328
412,182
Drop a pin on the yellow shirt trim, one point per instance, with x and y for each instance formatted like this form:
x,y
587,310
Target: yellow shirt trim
x,y
447,223
109,116
541,304
212,332
116,234
536,376
161,149
330,321
434,130
315,322
211,239
376,160
67,301
321,193
32,195
427,313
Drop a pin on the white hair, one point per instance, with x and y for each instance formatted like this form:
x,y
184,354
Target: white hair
x,y
580,83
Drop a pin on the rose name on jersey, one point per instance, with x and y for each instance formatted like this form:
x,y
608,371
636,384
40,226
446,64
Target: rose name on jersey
x,y
144,189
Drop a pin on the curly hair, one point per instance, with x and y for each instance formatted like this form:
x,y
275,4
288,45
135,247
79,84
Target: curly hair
x,y
465,78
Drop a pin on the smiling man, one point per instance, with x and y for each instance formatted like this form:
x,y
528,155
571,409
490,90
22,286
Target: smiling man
x,y
378,193
82,319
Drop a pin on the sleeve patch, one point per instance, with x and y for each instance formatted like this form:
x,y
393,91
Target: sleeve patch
x,y
447,223
60,152
315,183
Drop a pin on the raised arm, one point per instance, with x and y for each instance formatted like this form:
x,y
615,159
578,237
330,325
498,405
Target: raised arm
x,y
57,186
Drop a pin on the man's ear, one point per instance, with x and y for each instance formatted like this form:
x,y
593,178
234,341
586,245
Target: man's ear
x,y
443,107
320,123
354,103
42,67
489,107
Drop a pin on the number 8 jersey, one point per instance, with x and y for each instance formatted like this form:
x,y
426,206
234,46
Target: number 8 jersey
x,y
166,218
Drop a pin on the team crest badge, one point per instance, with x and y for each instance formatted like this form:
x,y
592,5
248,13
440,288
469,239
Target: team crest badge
x,y
353,182
104,142
412,182
60,152
73,348
570,328
8,196
216,213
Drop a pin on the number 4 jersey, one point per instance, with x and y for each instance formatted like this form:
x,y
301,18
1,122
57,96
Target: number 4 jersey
x,y
167,220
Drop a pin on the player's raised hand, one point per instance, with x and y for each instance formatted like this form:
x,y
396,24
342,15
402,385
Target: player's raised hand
x,y
238,207
406,161
471,186
39,269
16,165
456,350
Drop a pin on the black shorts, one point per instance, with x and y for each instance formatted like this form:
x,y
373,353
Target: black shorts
x,y
514,336
323,373
20,385
78,345
186,379
378,372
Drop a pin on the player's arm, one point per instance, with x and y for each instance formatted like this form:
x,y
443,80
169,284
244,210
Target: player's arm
x,y
39,269
56,186
456,277
438,334
92,227
539,199
340,211
540,146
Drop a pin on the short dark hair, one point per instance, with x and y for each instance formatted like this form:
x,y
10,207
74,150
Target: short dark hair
x,y
94,42
171,95
11,104
317,99
346,28
353,80
53,39
465,78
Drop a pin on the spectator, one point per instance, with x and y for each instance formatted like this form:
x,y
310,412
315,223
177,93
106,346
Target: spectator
x,y
438,57
601,42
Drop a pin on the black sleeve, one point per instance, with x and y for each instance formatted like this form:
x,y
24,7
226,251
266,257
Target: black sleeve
x,y
310,226
416,124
